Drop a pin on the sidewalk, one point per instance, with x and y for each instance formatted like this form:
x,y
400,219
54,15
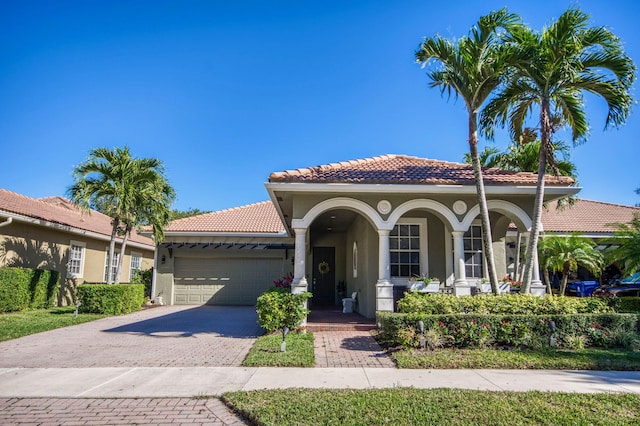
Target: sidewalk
x,y
185,382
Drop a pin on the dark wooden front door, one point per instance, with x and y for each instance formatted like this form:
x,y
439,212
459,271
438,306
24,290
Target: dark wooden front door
x,y
324,276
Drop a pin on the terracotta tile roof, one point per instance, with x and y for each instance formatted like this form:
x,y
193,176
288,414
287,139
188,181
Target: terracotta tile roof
x,y
402,169
586,216
254,218
61,211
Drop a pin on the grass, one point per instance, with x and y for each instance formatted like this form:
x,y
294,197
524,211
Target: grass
x,y
266,351
409,406
585,359
19,324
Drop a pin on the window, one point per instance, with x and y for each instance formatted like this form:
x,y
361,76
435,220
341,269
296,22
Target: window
x,y
136,265
404,248
75,265
473,252
114,266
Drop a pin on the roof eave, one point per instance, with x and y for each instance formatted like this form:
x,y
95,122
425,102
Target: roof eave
x,y
555,190
72,229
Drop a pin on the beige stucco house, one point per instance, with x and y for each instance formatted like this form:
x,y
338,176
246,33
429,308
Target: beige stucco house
x,y
52,233
362,226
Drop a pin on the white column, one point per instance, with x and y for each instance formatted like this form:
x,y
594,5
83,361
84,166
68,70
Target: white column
x,y
299,283
154,272
384,287
461,286
537,286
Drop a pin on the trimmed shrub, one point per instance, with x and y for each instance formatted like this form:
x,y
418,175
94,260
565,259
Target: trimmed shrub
x,y
520,304
478,330
112,299
25,288
629,304
278,308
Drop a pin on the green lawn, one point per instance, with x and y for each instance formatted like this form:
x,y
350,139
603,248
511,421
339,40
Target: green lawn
x,y
586,359
266,351
409,406
18,324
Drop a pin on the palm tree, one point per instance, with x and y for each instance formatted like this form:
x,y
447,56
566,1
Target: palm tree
x,y
565,253
471,68
552,70
626,245
131,191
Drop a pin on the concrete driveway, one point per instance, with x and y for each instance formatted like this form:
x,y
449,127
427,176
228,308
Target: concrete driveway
x,y
167,336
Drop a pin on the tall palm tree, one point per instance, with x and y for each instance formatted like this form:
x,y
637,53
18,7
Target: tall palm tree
x,y
471,68
626,245
129,190
552,70
565,253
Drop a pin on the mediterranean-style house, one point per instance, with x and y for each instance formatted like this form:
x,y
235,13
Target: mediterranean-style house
x,y
52,233
362,226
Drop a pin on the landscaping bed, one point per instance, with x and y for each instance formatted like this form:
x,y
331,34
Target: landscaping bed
x,y
266,351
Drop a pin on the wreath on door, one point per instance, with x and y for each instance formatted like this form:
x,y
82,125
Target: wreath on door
x,y
323,268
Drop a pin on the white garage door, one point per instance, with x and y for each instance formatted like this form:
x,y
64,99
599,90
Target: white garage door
x,y
223,281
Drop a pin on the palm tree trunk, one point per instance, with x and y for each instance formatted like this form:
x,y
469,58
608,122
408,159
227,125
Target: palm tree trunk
x,y
112,248
563,283
532,245
482,202
123,247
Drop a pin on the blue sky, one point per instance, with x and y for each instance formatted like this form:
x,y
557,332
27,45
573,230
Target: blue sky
x,y
224,93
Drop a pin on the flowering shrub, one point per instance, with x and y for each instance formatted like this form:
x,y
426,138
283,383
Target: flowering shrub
x,y
422,278
284,282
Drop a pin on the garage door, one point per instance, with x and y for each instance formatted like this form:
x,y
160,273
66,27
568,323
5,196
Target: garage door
x,y
228,281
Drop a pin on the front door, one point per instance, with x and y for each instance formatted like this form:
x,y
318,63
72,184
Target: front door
x,y
324,276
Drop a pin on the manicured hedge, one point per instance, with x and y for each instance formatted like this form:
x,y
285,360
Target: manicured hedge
x,y
522,304
25,288
112,299
469,330
629,304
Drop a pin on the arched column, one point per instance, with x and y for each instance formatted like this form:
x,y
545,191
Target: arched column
x,y
384,287
461,286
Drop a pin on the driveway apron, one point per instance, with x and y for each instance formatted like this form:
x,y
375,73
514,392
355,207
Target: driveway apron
x,y
167,336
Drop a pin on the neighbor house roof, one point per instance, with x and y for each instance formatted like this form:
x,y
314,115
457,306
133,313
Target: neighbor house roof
x,y
254,218
403,169
585,216
59,210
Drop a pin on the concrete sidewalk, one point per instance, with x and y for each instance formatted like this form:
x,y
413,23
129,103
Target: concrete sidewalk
x,y
165,382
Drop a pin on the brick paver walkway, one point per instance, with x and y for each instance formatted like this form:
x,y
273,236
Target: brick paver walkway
x,y
143,411
349,349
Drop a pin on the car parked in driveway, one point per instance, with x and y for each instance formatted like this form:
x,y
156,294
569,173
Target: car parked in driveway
x,y
629,286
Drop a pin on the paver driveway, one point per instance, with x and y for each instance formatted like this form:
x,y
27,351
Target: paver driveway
x,y
209,336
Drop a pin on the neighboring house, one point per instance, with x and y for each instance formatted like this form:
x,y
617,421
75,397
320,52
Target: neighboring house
x,y
52,233
370,224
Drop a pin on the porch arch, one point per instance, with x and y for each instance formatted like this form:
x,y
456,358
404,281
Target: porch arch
x,y
512,211
442,211
340,203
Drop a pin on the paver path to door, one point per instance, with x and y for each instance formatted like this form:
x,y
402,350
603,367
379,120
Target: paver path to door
x,y
204,336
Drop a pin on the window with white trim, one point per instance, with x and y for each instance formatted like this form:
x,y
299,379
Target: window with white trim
x,y
473,252
136,265
114,265
404,248
75,264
